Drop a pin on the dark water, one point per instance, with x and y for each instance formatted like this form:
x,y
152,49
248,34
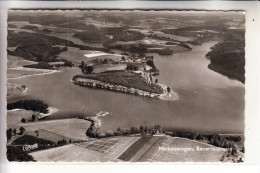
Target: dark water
x,y
207,100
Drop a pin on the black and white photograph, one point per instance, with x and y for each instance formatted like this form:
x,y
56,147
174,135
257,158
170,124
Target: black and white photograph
x,y
125,85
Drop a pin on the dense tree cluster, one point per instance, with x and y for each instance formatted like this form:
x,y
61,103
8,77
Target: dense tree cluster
x,y
164,51
228,58
21,130
150,63
32,119
9,134
133,48
62,142
86,69
17,154
127,79
30,140
131,36
38,52
46,65
131,67
34,105
41,65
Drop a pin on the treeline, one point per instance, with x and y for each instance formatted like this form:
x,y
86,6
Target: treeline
x,y
133,48
30,27
192,31
164,51
143,130
202,136
142,48
205,34
63,142
132,67
171,41
46,65
30,140
78,25
40,65
224,141
34,105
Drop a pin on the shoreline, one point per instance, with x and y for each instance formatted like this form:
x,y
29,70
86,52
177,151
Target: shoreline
x,y
96,120
119,88
44,73
51,110
29,69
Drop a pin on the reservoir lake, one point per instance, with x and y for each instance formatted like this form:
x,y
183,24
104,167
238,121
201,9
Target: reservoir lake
x,y
207,101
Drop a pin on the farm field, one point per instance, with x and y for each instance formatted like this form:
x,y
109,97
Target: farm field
x,y
74,54
48,135
112,147
71,153
73,129
108,67
154,154
131,149
22,72
14,116
14,61
14,90
147,150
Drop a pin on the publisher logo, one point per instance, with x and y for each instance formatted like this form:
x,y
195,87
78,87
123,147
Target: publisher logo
x,y
30,147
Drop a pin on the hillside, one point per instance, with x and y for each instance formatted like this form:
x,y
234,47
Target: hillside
x,y
133,149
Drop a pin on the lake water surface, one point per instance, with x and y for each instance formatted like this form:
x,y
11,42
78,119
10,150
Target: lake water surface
x,y
207,100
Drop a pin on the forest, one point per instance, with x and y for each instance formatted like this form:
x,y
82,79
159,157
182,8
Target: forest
x,y
34,105
38,52
228,57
